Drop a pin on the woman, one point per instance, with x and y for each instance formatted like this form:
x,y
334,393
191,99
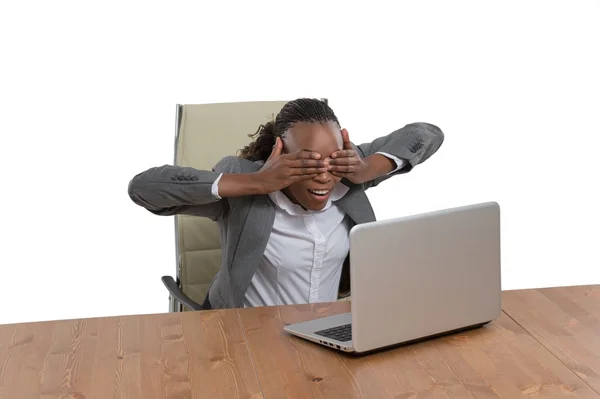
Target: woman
x,y
286,204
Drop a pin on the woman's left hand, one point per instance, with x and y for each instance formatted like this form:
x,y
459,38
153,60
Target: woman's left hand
x,y
346,163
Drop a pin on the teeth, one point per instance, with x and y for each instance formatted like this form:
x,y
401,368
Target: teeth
x,y
319,192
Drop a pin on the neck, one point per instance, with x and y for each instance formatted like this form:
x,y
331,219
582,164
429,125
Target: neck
x,y
288,194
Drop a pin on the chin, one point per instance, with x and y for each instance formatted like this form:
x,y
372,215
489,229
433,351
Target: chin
x,y
310,202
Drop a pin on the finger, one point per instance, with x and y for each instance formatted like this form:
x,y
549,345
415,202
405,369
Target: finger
x,y
303,154
336,169
346,140
277,147
307,171
340,174
343,154
344,161
305,163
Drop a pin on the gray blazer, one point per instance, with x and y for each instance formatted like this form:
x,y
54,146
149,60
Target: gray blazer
x,y
245,222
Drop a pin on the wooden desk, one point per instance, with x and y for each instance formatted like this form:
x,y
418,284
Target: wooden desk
x,y
499,361
566,321
546,344
177,355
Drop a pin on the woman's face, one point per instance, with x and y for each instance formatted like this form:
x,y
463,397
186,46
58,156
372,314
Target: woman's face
x,y
324,138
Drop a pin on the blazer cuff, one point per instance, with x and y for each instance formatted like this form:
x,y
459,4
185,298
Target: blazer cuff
x,y
214,189
399,162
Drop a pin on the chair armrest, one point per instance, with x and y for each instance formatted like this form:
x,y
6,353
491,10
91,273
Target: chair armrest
x,y
178,294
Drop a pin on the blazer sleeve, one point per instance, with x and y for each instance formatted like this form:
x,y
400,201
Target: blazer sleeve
x,y
170,190
414,143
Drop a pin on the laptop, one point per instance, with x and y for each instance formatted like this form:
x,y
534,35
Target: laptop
x,y
414,278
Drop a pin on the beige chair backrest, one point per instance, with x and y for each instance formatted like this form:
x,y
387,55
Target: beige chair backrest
x,y
205,133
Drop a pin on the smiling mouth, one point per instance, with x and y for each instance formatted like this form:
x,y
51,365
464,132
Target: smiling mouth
x,y
320,193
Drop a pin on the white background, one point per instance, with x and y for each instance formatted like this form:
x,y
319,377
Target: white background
x,y
87,100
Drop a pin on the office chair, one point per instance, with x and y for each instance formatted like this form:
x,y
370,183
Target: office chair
x,y
205,133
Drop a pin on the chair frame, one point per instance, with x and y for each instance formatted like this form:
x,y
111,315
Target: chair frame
x,y
177,298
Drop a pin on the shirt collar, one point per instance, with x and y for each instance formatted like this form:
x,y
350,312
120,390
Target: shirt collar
x,y
284,203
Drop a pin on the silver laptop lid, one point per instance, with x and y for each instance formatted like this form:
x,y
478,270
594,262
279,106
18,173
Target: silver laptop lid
x,y
426,274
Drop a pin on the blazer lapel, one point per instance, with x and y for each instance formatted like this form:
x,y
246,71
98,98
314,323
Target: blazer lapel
x,y
253,238
356,205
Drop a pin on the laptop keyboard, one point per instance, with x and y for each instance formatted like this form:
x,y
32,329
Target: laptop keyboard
x,y
339,333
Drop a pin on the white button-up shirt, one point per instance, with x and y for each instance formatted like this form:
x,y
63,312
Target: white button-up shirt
x,y
303,259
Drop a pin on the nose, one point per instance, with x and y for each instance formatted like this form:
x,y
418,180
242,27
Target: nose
x,y
323,178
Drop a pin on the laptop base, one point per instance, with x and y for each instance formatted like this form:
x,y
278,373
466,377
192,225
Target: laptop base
x,y
346,346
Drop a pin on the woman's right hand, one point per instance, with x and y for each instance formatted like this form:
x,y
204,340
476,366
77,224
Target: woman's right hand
x,y
279,171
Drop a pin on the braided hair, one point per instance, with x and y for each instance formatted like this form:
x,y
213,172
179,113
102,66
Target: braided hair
x,y
300,110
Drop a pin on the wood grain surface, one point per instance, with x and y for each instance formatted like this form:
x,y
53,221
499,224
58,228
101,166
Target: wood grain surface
x,y
566,321
178,355
546,344
500,360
